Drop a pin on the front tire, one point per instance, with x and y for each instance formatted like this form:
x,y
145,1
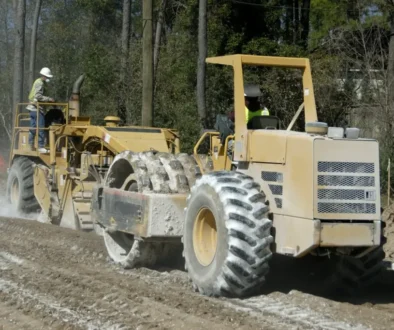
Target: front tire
x,y
227,235
20,186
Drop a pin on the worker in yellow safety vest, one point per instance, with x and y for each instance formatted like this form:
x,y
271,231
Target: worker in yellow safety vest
x,y
253,107
37,116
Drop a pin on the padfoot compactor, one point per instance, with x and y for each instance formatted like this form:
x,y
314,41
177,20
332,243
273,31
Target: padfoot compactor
x,y
260,190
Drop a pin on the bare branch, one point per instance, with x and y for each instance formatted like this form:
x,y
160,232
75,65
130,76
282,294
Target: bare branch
x,y
5,126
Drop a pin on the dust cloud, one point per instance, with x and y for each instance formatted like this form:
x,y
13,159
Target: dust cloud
x,y
6,209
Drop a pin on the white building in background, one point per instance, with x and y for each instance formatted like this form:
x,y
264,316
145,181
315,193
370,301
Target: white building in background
x,y
364,115
358,78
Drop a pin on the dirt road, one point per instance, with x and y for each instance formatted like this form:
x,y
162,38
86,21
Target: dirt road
x,y
54,278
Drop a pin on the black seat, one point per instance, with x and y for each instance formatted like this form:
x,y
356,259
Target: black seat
x,y
54,116
264,122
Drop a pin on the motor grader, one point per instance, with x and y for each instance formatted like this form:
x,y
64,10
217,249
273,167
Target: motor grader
x,y
274,191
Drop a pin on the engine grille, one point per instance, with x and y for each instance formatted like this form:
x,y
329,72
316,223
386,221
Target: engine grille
x,y
348,167
353,208
272,176
344,180
350,194
346,187
275,185
278,202
276,189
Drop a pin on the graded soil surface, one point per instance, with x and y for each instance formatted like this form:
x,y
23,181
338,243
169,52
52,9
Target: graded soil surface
x,y
55,278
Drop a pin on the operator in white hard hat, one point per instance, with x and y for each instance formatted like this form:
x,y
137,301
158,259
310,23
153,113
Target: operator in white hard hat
x,y
37,94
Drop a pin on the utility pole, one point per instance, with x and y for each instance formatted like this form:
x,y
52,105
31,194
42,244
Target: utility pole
x,y
147,63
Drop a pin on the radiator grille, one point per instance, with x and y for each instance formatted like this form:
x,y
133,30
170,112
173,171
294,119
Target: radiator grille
x,y
350,194
353,191
345,180
276,189
272,176
278,202
346,167
276,180
365,208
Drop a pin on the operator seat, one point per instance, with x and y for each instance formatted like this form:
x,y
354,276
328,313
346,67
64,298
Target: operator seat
x,y
224,126
264,122
54,116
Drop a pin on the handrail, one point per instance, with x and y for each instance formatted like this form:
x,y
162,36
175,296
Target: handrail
x,y
226,148
195,150
19,114
297,114
202,138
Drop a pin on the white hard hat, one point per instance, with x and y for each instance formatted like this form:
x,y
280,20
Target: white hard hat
x,y
252,91
46,72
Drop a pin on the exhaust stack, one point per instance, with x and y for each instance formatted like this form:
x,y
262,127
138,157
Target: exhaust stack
x,y
73,103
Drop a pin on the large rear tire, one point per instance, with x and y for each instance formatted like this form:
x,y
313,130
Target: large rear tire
x,y
227,235
20,186
353,274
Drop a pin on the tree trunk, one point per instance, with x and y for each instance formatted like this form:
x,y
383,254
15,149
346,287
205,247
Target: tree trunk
x,y
202,54
159,28
147,64
289,21
122,111
20,15
33,42
390,69
7,108
296,22
8,56
306,5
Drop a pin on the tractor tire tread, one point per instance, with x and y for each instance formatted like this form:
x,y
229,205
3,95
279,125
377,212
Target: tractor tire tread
x,y
22,168
249,237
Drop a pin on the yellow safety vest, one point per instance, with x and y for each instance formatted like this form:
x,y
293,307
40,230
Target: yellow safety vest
x,y
250,114
34,88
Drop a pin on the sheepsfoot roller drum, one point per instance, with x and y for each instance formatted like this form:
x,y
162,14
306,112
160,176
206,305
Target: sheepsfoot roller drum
x,y
227,235
139,209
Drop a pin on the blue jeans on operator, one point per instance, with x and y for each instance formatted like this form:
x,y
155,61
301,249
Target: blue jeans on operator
x,y
33,124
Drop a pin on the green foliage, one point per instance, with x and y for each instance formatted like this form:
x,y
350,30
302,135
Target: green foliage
x,y
83,36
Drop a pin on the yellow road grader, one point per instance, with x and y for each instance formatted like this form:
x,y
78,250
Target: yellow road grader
x,y
263,190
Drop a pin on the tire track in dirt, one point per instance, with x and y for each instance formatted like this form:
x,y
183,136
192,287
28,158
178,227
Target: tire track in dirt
x,y
13,318
63,278
283,309
78,278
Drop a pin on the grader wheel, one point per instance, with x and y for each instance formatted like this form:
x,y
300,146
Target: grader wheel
x,y
227,235
20,186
